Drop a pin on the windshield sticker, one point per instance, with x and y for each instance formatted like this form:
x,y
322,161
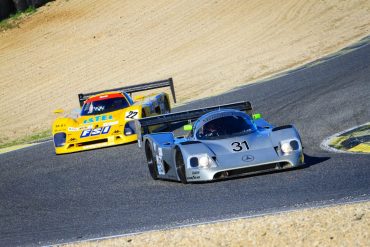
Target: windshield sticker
x,y
98,118
132,114
99,108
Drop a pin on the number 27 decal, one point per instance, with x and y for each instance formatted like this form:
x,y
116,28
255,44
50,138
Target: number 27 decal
x,y
132,114
239,146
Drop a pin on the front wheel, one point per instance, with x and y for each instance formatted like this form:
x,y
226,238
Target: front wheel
x,y
152,164
180,166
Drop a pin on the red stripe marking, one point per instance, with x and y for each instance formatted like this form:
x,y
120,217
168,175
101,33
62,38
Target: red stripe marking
x,y
104,97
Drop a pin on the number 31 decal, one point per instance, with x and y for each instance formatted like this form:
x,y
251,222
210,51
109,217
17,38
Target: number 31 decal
x,y
131,114
239,146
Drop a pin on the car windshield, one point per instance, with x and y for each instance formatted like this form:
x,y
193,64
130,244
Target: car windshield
x,y
225,127
103,106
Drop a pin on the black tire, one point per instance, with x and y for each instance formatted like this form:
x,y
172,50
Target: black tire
x,y
152,164
180,166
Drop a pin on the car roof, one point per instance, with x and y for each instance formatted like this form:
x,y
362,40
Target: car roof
x,y
103,96
217,114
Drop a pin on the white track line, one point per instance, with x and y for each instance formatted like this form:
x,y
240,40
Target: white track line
x,y
27,145
295,208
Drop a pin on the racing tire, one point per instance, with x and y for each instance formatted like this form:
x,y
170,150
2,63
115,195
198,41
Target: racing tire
x,y
180,166
152,164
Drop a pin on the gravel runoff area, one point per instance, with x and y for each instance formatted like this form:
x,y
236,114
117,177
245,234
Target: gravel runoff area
x,y
341,225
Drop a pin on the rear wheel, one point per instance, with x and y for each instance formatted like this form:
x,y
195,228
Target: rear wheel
x,y
152,164
180,166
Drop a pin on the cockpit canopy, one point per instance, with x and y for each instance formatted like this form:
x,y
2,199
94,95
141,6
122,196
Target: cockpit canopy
x,y
103,104
225,127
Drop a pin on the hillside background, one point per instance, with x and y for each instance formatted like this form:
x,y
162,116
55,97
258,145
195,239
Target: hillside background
x,y
208,47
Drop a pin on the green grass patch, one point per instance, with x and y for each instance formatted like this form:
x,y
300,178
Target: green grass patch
x,y
15,19
39,136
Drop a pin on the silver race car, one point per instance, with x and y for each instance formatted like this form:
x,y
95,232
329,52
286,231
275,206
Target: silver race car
x,y
224,141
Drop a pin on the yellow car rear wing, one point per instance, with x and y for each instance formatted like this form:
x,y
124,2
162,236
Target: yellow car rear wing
x,y
134,88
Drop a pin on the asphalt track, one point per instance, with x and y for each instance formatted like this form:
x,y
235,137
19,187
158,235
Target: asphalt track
x,y
47,199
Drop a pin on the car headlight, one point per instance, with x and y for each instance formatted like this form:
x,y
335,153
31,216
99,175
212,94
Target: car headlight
x,y
201,161
129,128
60,139
289,146
286,148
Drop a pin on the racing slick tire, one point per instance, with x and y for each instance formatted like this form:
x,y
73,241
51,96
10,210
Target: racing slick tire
x,y
180,166
152,164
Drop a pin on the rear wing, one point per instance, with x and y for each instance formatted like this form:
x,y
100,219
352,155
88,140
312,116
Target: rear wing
x,y
133,89
142,125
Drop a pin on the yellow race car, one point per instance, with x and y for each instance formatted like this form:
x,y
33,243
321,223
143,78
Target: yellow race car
x,y
107,117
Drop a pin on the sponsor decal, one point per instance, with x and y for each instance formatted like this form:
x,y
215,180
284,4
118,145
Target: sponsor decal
x,y
86,127
72,129
95,146
98,118
98,108
95,132
160,166
60,125
110,123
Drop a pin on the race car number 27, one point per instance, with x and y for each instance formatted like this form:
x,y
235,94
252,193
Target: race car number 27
x,y
132,114
239,146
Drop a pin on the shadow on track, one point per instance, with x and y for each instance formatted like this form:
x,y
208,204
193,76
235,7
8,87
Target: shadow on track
x,y
309,161
312,160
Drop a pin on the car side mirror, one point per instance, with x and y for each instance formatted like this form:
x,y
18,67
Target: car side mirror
x,y
256,116
58,111
188,127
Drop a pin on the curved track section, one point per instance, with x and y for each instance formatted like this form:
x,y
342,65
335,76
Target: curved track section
x,y
46,198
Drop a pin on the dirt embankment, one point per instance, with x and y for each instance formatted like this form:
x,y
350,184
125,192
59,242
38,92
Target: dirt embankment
x,y
208,47
346,225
